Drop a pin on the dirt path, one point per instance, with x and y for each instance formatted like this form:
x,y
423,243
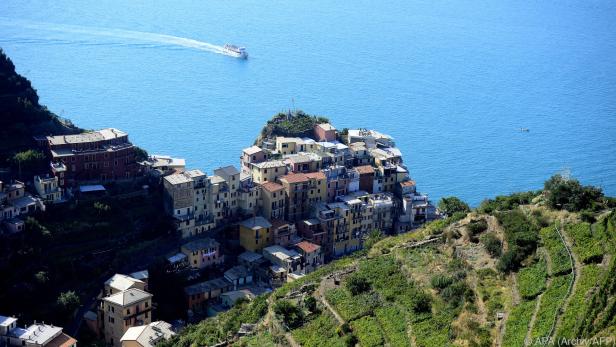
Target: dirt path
x,y
328,282
271,318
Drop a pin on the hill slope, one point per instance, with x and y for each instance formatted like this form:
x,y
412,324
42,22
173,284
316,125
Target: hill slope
x,y
498,276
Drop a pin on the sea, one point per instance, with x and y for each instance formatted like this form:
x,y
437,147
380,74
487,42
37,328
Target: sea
x,y
454,82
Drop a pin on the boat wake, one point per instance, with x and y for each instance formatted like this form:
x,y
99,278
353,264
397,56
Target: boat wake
x,y
138,37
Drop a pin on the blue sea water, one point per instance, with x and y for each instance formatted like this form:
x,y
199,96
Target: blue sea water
x,y
452,81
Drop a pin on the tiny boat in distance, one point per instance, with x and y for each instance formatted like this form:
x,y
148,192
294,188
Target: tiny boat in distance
x,y
235,51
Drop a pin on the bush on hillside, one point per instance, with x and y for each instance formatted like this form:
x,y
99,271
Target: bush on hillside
x,y
506,203
568,194
451,205
357,284
492,244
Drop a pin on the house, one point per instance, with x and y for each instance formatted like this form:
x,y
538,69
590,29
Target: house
x,y
120,311
202,253
119,283
48,189
239,276
13,225
304,162
273,200
366,178
311,230
162,165
250,260
103,155
147,335
178,261
255,233
283,232
287,259
251,155
142,275
303,191
288,145
324,132
311,255
37,334
198,295
15,201
268,171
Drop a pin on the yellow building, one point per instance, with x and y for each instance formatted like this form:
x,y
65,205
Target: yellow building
x,y
147,335
255,234
272,200
268,171
303,191
123,310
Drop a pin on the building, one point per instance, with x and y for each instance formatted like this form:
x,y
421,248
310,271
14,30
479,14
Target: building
x,y
203,253
324,132
268,171
120,311
48,189
147,335
311,230
103,155
303,192
198,295
283,232
35,335
162,165
229,299
284,262
311,255
304,162
119,283
252,155
238,276
273,200
366,178
255,233
15,201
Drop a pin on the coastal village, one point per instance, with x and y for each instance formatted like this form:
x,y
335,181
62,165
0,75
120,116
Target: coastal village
x,y
290,206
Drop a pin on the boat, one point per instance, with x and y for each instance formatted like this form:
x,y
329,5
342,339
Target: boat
x,y
235,51
524,130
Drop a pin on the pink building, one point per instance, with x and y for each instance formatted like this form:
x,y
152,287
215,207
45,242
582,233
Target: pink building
x,y
325,132
252,155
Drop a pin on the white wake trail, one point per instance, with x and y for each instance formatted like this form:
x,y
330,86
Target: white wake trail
x,y
163,39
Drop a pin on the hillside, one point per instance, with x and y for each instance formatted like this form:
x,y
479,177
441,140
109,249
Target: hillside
x,y
497,276
291,124
21,115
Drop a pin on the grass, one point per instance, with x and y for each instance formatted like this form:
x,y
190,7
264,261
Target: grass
x,y
586,244
531,280
551,301
368,331
435,330
260,340
490,289
517,324
557,251
590,277
320,331
393,322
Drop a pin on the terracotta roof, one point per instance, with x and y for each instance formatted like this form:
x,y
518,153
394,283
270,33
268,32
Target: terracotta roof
x,y
409,183
365,169
316,175
294,177
62,340
272,186
308,247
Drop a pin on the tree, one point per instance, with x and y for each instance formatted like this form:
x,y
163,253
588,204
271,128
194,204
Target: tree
x,y
373,237
450,205
292,315
41,277
68,301
310,303
28,161
140,154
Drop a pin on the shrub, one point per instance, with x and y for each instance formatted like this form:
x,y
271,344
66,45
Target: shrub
x,y
506,203
532,279
357,284
570,195
477,227
440,282
291,315
450,205
492,244
521,236
421,302
310,303
588,216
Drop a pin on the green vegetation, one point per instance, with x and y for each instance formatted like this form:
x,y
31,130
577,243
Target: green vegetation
x,y
219,328
578,304
291,124
292,315
357,284
392,321
320,331
549,306
21,118
493,244
556,249
532,279
568,194
368,331
517,324
451,205
506,203
521,236
588,245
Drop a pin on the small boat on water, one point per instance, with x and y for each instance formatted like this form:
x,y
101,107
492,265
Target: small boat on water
x,y
236,51
524,130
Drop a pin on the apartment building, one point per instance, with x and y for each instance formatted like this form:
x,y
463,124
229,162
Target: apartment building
x,y
203,253
268,171
312,257
103,155
119,283
123,310
147,335
273,200
255,233
252,155
48,189
324,132
35,335
303,191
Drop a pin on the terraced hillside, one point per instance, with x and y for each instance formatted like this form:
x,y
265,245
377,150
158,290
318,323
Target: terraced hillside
x,y
510,273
